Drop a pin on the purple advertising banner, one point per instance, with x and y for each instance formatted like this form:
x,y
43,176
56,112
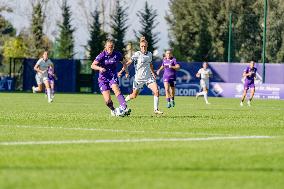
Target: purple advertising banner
x,y
227,80
235,90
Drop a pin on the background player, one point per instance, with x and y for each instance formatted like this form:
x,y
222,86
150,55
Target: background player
x,y
41,68
51,80
106,63
249,74
144,74
170,67
204,74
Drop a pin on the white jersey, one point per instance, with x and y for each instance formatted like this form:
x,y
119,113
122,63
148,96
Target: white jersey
x,y
142,64
205,73
43,66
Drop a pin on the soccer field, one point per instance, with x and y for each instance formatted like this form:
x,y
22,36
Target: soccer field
x,y
73,143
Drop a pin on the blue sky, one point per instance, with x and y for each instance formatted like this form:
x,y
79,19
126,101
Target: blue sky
x,y
81,9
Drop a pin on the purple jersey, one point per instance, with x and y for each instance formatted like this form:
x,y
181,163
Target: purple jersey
x,y
169,73
50,73
108,62
250,78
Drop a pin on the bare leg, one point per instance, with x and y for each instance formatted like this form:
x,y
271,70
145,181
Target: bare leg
x,y
155,90
107,99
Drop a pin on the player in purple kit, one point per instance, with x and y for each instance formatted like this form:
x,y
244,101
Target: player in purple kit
x,y
170,67
249,74
106,63
51,78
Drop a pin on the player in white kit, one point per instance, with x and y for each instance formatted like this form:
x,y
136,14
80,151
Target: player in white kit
x,y
204,74
41,68
144,74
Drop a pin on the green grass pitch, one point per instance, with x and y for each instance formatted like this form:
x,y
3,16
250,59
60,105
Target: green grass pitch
x,y
73,143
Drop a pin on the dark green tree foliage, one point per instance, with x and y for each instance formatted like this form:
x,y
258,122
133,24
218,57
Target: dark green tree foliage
x,y
6,30
147,18
66,40
37,29
275,34
97,36
199,29
119,26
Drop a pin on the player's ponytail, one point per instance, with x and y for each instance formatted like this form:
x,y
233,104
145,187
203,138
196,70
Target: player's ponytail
x,y
143,40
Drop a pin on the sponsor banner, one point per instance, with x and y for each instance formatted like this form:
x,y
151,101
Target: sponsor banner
x,y
235,90
7,84
227,81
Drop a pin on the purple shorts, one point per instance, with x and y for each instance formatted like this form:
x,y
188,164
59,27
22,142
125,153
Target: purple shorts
x,y
249,84
171,81
105,84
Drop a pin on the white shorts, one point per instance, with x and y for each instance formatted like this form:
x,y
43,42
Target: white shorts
x,y
204,84
139,84
40,78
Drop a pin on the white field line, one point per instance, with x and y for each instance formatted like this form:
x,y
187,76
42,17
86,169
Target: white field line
x,y
142,140
117,130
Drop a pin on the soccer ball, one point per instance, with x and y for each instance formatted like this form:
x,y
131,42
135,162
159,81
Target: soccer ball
x,y
119,112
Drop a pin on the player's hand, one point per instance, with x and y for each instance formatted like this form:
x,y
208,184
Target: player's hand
x,y
119,74
126,74
102,70
154,75
158,72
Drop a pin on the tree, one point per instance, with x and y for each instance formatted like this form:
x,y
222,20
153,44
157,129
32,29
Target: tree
x,y
15,47
275,34
119,26
37,29
97,36
66,40
147,18
6,29
189,29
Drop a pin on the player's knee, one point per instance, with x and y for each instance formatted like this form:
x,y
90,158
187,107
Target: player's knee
x,y
134,95
156,92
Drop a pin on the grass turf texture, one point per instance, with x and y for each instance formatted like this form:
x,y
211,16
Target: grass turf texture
x,y
243,163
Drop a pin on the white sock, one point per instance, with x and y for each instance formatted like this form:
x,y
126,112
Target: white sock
x,y
127,98
48,93
205,97
156,102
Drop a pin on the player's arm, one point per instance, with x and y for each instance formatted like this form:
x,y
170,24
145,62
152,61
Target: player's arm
x,y
95,66
152,70
36,67
210,74
198,74
160,69
176,67
125,68
245,73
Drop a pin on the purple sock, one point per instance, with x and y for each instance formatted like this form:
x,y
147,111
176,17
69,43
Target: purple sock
x,y
168,99
110,105
121,101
